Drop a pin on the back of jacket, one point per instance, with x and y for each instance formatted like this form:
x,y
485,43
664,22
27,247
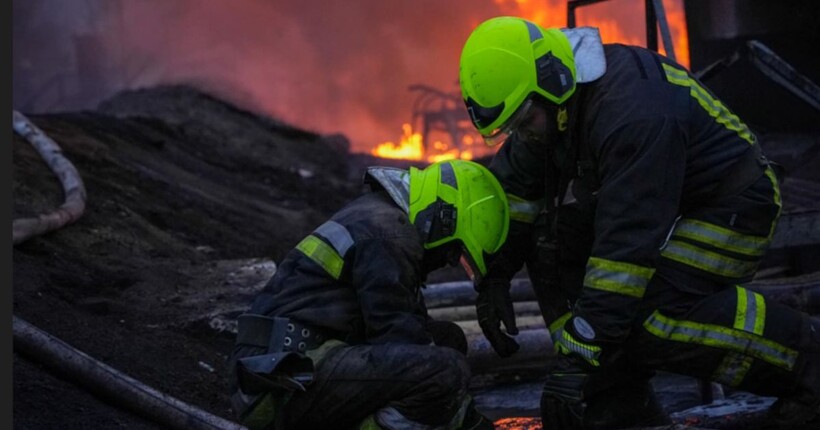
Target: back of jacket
x,y
647,143
358,275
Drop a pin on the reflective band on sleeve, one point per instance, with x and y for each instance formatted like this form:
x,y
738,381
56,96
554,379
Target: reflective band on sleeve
x,y
556,327
721,238
617,277
708,261
567,344
713,107
322,254
721,337
524,210
337,235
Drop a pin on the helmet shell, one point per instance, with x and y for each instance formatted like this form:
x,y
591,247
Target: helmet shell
x,y
507,59
481,211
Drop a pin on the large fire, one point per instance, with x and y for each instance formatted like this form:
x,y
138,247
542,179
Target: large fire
x,y
549,14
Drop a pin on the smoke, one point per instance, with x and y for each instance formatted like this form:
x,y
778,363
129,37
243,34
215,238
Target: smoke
x,y
329,66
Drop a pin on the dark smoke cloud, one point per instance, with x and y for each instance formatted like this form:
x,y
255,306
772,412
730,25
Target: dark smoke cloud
x,y
329,66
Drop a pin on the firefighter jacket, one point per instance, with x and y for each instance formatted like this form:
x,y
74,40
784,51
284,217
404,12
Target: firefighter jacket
x,y
357,276
639,182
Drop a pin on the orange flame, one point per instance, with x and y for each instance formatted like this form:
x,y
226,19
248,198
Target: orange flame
x,y
409,148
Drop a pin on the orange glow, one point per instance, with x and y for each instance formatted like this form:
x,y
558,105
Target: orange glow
x,y
619,21
409,148
520,423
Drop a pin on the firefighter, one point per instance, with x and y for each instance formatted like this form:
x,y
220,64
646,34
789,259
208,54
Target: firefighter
x,y
340,336
640,204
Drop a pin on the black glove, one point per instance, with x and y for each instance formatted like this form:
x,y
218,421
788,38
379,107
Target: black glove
x,y
494,306
562,398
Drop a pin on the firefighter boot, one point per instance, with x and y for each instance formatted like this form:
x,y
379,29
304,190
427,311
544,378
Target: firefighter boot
x,y
629,404
474,420
802,409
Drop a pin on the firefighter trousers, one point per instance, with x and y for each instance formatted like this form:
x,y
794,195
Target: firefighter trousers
x,y
731,335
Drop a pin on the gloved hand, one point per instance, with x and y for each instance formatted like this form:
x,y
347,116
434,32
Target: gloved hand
x,y
562,398
494,306
572,343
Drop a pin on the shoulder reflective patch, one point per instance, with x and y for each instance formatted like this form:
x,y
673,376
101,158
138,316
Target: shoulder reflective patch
x,y
525,211
713,106
725,338
617,277
337,235
322,254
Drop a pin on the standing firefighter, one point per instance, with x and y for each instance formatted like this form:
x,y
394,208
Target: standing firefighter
x,y
656,204
340,336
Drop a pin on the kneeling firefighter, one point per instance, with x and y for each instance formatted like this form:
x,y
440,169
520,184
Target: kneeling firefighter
x,y
645,204
340,336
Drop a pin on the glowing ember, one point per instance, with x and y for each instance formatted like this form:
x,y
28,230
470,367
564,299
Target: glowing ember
x,y
518,424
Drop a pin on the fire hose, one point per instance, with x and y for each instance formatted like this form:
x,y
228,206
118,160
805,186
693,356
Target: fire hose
x,y
26,228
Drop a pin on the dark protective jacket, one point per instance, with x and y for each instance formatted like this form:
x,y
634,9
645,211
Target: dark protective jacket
x,y
358,276
638,184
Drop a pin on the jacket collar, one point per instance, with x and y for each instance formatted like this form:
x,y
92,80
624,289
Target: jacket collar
x,y
395,181
588,50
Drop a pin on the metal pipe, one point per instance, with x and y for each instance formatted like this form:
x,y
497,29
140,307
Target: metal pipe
x,y
111,384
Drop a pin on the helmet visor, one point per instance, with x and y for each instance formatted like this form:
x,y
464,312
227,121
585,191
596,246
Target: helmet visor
x,y
468,263
502,133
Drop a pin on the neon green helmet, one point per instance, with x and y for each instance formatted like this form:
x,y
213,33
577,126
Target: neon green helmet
x,y
459,200
504,62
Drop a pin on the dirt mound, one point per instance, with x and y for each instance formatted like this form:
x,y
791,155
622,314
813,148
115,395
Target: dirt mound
x,y
180,184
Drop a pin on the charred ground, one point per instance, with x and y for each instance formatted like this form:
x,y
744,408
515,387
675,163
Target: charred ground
x,y
177,182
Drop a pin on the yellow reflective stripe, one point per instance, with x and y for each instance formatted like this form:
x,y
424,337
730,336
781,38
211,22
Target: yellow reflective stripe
x,y
750,315
721,337
733,369
708,261
713,107
617,277
524,210
567,344
721,237
322,254
556,327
